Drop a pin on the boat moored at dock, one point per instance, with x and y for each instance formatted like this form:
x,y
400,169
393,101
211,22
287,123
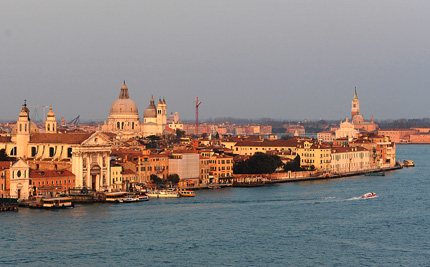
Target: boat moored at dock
x,y
170,193
116,197
187,193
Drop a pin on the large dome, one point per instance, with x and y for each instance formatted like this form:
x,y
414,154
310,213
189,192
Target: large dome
x,y
124,105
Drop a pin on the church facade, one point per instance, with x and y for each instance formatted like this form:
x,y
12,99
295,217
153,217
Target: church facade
x,y
86,155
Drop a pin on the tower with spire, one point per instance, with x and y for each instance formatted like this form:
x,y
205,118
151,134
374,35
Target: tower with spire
x,y
355,106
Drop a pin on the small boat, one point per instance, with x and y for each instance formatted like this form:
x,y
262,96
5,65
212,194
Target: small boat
x,y
408,163
57,203
143,197
214,186
369,195
187,193
375,174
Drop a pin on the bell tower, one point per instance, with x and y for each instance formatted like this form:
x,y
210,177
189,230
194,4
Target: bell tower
x,y
51,123
355,106
23,132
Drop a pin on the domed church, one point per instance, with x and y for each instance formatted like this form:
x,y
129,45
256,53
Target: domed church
x,y
124,117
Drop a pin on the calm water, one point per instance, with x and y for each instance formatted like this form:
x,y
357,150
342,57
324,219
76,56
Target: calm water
x,y
295,224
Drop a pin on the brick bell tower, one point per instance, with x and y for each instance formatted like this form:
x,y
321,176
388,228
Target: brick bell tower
x,y
355,106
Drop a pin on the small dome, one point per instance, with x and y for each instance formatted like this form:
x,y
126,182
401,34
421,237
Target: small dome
x,y
357,119
51,113
151,110
33,128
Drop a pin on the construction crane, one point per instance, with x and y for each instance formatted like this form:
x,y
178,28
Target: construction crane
x,y
75,121
197,115
36,114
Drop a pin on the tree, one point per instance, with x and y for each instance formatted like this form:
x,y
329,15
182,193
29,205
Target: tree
x,y
174,178
4,156
293,165
156,180
259,163
179,135
154,140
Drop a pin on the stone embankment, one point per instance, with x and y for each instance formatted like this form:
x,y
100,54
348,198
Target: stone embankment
x,y
324,176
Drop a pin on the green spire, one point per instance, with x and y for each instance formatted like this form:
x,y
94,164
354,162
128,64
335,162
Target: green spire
x,y
355,94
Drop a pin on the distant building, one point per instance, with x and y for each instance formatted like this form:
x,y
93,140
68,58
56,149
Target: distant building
x,y
358,120
326,136
124,117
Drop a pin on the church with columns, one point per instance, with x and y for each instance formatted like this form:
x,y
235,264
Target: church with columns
x,y
85,155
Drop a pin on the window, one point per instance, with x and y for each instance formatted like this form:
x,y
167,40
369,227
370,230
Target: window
x,y
33,151
51,152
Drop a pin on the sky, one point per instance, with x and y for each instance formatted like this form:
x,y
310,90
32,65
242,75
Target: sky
x,y
275,59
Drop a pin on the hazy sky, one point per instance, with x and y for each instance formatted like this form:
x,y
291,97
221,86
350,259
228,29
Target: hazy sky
x,y
244,59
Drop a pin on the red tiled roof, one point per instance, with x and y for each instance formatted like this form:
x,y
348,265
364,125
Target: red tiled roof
x,y
269,143
50,173
5,139
5,164
128,171
60,138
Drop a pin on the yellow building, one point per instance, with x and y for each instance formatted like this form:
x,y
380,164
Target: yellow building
x,y
116,177
221,168
249,148
317,155
349,159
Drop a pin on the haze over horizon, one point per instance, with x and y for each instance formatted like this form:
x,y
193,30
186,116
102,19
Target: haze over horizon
x,y
243,59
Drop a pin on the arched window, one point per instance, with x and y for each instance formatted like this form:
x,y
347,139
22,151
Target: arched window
x,y
33,151
51,152
118,125
69,152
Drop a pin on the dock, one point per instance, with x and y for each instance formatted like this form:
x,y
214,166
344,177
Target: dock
x,y
8,204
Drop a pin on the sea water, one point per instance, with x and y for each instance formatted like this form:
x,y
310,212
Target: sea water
x,y
318,223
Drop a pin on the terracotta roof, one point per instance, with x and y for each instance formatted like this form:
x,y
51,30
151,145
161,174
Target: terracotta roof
x,y
5,164
269,143
128,171
50,173
5,139
60,138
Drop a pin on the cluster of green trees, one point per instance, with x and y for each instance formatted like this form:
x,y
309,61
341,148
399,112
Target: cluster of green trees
x,y
4,156
261,163
173,178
